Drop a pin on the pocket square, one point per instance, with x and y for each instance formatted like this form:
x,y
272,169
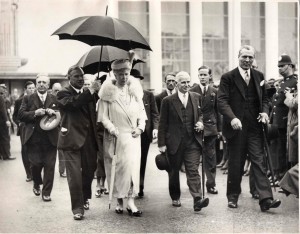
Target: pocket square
x,y
63,129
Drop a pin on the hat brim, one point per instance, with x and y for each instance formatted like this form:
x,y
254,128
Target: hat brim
x,y
49,122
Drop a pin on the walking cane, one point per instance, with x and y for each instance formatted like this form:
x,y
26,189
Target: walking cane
x,y
203,174
268,157
112,173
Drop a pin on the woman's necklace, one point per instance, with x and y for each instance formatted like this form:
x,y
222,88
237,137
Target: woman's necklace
x,y
124,94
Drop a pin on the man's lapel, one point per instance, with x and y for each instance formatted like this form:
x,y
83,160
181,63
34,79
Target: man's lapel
x,y
36,100
238,79
195,107
256,79
177,104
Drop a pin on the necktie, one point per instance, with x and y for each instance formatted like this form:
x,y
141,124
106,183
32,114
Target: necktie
x,y
247,78
42,99
204,91
184,102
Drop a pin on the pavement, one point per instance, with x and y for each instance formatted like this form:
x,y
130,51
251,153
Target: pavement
x,y
23,212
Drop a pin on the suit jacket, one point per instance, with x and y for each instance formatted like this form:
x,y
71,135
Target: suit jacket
x,y
15,116
28,107
159,98
232,100
171,126
4,133
211,117
280,111
152,113
75,118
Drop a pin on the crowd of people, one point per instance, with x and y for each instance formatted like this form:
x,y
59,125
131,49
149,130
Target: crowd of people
x,y
103,129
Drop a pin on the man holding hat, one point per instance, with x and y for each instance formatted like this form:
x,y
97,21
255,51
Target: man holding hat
x,y
40,143
279,113
150,128
180,135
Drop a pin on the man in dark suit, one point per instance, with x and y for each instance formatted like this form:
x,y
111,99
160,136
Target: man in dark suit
x,y
170,84
150,128
29,88
179,135
40,144
243,102
78,138
278,116
211,123
4,126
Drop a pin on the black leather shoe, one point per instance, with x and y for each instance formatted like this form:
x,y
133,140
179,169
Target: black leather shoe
x,y
78,216
141,194
46,198
255,196
176,203
36,191
119,210
64,175
10,158
269,203
28,179
137,213
212,190
232,204
86,205
200,203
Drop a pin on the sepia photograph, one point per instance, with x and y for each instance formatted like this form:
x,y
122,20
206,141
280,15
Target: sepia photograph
x,y
149,116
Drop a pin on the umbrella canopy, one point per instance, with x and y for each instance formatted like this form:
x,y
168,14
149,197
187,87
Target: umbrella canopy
x,y
90,60
103,30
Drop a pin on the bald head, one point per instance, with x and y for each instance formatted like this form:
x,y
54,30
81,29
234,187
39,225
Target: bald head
x,y
56,87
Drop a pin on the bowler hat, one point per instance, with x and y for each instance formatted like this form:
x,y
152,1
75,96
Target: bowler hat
x,y
284,59
49,122
162,162
136,73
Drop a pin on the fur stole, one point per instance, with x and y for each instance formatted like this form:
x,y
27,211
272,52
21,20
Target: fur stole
x,y
109,91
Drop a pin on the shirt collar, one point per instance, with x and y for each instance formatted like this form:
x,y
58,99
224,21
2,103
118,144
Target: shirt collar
x,y
42,95
242,72
202,87
77,90
180,95
169,92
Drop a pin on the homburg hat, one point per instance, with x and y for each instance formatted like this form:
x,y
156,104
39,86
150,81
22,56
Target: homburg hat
x,y
49,122
162,162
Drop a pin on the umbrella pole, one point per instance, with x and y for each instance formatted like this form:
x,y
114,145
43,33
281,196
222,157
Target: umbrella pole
x,y
99,62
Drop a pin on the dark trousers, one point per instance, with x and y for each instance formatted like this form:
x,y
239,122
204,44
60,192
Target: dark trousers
x,y
247,141
42,156
210,160
61,162
26,161
100,172
145,144
81,165
188,152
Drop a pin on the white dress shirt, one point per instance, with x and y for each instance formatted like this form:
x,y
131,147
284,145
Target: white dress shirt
x,y
183,98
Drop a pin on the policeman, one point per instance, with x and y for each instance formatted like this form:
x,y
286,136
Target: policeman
x,y
279,115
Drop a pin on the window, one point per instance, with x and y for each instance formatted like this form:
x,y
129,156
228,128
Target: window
x,y
215,37
175,37
253,30
287,29
137,14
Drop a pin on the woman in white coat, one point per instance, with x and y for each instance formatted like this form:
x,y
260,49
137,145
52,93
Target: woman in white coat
x,y
122,113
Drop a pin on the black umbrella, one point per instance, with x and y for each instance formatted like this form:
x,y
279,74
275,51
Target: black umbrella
x,y
103,30
90,60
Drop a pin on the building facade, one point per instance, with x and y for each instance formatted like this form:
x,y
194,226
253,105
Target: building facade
x,y
183,36
187,34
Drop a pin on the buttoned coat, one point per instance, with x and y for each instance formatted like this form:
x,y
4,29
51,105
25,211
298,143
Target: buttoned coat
x,y
159,98
152,113
75,120
26,114
232,99
211,117
279,113
171,126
